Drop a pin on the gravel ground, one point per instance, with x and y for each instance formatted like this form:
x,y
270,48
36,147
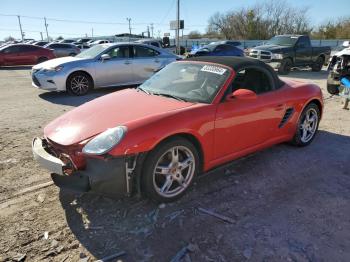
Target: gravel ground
x,y
283,203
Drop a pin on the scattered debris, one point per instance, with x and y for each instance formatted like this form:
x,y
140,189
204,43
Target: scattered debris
x,y
162,205
183,252
46,235
247,253
41,197
224,218
19,257
121,253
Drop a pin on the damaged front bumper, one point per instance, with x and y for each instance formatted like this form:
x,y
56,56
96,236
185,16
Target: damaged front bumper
x,y
110,176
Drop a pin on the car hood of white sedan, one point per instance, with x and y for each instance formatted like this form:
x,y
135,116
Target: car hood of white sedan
x,y
56,62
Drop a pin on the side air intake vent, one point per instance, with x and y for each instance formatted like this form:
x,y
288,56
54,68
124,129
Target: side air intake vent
x,y
286,117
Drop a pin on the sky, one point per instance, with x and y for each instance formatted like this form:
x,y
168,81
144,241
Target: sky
x,y
108,17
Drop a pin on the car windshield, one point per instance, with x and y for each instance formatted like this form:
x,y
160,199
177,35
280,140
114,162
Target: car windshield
x,y
193,82
283,40
93,51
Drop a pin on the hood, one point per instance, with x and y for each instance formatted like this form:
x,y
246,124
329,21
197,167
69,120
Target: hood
x,y
272,48
57,61
118,108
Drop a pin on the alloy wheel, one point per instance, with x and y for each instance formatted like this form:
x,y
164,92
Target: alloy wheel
x,y
174,171
79,84
308,125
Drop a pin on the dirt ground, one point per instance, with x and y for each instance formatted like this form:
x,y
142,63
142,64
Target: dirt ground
x,y
284,203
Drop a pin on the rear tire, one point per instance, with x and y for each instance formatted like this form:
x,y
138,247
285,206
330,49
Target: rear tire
x,y
42,59
307,125
169,170
286,66
79,84
317,66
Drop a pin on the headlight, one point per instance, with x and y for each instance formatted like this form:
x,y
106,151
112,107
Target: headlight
x,y
56,69
105,141
277,56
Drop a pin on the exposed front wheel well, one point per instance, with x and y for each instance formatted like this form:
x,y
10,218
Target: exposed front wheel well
x,y
318,103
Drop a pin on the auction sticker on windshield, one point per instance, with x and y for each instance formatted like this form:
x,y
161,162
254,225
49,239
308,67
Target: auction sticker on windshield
x,y
214,69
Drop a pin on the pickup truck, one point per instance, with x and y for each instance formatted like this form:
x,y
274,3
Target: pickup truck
x,y
283,52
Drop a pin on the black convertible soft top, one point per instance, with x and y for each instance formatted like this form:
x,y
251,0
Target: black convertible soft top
x,y
237,63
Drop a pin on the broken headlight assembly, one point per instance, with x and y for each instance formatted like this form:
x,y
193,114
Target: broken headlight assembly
x,y
105,141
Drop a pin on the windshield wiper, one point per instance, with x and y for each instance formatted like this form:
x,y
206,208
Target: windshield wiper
x,y
143,90
169,95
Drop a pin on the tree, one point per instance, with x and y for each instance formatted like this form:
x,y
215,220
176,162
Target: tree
x,y
339,29
9,38
261,21
194,35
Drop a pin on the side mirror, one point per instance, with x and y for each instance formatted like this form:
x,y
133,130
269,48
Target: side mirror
x,y
105,57
242,94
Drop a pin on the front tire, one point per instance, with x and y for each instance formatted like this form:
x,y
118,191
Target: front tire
x,y
286,66
307,125
169,170
317,66
79,84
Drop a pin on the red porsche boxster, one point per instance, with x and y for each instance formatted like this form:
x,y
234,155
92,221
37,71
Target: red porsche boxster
x,y
190,117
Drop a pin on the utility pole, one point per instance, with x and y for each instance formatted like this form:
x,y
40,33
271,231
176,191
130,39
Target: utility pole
x,y
152,29
148,32
92,32
47,33
177,28
129,20
20,27
41,34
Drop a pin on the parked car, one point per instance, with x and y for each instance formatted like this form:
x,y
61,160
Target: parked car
x,y
67,41
98,42
283,52
61,49
153,42
84,40
23,54
217,49
188,118
101,66
40,43
229,42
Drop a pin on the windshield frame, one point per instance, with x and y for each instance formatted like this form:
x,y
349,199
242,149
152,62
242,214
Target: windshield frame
x,y
221,90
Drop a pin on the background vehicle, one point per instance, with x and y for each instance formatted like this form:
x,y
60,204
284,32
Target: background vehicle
x,y
339,67
153,42
283,52
23,54
217,49
61,49
40,43
84,40
67,41
190,117
98,42
101,66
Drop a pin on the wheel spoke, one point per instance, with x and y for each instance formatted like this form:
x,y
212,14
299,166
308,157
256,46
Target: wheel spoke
x,y
167,184
163,170
303,137
175,155
186,163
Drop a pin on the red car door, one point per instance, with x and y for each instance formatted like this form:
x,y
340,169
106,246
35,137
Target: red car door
x,y
241,124
10,55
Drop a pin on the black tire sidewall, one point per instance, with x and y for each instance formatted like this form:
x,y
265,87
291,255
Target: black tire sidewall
x,y
297,137
317,66
68,84
284,69
150,162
